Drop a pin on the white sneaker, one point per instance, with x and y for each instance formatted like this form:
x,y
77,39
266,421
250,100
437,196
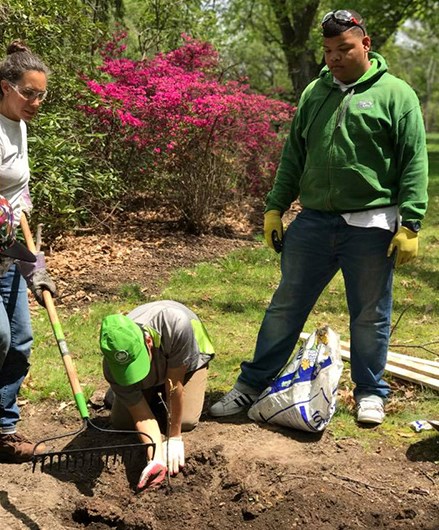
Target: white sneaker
x,y
232,403
370,411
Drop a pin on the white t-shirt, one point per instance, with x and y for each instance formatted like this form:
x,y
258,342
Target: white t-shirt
x,y
386,218
14,163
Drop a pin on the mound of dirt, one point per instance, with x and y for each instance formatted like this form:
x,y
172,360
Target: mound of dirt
x,y
238,475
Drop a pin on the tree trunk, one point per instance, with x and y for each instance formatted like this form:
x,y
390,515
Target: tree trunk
x,y
296,20
302,68
295,31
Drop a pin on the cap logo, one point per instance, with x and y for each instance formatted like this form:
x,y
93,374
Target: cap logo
x,y
122,357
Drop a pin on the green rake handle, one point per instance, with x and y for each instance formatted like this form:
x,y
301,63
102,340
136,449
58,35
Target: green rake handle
x,y
58,332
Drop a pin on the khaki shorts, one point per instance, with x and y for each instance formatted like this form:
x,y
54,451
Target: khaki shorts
x,y
193,399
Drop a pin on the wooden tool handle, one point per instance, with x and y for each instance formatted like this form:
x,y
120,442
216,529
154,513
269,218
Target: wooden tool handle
x,y
57,329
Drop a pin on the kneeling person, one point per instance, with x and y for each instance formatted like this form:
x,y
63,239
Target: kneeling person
x,y
157,354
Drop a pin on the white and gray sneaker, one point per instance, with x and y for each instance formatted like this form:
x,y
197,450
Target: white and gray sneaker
x,y
232,403
370,410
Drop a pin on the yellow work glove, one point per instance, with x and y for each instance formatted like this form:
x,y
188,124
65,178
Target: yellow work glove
x,y
273,229
405,244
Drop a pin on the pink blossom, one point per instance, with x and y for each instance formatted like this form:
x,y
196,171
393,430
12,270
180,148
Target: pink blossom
x,y
179,102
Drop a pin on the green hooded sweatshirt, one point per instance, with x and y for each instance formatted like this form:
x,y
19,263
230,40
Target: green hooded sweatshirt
x,y
355,150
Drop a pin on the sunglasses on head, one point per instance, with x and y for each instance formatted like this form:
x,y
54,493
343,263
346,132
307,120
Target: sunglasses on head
x,y
344,17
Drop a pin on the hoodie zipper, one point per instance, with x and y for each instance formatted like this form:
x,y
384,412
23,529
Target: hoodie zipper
x,y
340,119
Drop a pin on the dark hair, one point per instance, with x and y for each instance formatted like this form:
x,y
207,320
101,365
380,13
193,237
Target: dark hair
x,y
19,59
334,27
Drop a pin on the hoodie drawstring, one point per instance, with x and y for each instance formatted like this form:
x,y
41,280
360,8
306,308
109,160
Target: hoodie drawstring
x,y
344,108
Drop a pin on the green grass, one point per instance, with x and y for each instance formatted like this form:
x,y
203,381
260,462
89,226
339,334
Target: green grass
x,y
231,294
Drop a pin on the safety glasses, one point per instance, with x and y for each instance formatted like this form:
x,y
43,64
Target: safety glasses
x,y
29,93
343,16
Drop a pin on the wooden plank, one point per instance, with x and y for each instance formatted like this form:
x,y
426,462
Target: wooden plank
x,y
399,356
419,360
402,373
414,366
403,366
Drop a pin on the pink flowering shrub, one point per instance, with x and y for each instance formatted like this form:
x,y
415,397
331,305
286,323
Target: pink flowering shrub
x,y
173,123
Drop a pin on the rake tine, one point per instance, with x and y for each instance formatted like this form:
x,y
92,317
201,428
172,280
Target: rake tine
x,y
71,459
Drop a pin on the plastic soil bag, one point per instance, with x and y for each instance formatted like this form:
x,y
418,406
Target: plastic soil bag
x,y
303,396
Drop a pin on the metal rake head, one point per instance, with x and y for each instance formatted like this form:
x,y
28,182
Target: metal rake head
x,y
71,459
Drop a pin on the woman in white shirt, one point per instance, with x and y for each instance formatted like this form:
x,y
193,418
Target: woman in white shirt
x,y
23,87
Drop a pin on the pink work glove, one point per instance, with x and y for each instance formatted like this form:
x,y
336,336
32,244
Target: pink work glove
x,y
153,475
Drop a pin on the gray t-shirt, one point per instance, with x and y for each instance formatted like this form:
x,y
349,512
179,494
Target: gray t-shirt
x,y
180,339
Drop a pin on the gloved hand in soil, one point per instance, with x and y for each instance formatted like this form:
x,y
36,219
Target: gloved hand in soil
x,y
405,245
153,475
273,229
37,277
173,453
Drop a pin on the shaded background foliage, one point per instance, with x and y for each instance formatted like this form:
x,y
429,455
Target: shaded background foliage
x,y
273,44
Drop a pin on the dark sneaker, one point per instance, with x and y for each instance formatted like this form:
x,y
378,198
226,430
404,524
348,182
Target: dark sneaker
x,y
232,403
16,448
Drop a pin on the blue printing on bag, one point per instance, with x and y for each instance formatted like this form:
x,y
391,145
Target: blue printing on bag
x,y
301,408
300,375
295,404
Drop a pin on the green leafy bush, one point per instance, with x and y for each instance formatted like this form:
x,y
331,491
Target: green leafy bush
x,y
68,185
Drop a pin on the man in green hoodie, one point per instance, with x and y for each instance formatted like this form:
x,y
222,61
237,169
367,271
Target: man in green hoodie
x,y
356,155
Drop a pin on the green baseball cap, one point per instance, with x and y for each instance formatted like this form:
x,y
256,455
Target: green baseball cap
x,y
123,345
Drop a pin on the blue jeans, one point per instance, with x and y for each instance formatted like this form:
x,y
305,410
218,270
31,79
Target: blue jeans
x,y
316,246
15,345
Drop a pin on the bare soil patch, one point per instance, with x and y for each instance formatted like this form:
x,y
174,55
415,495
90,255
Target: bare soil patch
x,y
142,246
238,475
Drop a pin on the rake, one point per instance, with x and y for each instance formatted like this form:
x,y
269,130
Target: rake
x,y
79,457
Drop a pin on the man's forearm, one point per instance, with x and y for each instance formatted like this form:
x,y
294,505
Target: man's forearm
x,y
175,403
146,423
